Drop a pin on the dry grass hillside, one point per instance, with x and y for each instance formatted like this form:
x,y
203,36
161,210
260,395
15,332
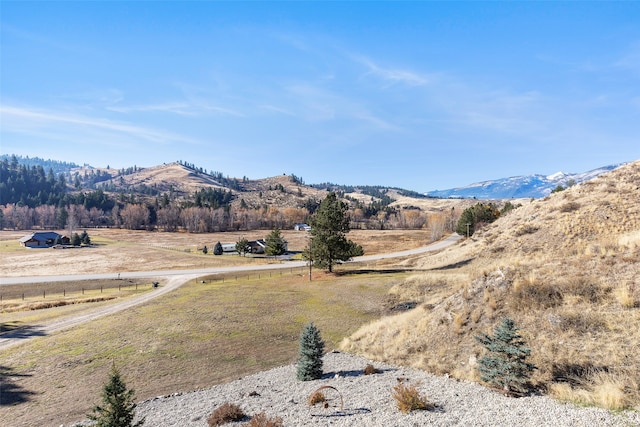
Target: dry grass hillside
x,y
566,268
279,191
170,177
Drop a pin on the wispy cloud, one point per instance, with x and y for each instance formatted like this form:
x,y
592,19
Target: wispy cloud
x,y
394,75
318,104
278,110
180,108
26,120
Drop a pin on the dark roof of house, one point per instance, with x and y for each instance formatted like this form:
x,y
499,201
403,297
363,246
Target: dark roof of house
x,y
41,236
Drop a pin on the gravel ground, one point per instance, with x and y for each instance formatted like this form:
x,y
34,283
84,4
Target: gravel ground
x,y
367,401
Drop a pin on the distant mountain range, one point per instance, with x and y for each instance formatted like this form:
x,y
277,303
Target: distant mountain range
x,y
516,187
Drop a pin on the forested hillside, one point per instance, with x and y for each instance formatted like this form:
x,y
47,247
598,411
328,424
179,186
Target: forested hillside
x,y
182,196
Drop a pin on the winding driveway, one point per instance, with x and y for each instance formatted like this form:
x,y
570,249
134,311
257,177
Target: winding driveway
x,y
175,279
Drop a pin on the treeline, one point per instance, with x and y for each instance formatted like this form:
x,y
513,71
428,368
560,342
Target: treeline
x,y
194,219
56,166
140,216
29,185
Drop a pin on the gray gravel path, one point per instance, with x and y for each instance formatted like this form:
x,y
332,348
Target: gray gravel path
x,y
368,402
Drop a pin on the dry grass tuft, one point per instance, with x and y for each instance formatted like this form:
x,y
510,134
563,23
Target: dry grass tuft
x,y
532,295
41,305
587,289
370,370
332,399
570,207
225,413
625,297
607,389
316,397
262,420
409,399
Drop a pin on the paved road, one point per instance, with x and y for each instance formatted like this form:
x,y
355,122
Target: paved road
x,y
176,278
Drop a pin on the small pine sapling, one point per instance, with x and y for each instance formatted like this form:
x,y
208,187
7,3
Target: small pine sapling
x,y
505,365
217,249
311,351
118,408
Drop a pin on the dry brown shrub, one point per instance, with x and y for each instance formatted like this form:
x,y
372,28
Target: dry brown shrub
x,y
570,207
261,420
316,397
370,370
409,399
460,320
525,229
225,413
582,322
587,289
531,295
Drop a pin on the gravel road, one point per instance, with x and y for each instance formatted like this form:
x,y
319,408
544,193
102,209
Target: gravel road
x,y
368,402
18,336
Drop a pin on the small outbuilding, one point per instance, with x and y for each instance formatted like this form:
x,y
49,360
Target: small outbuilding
x,y
43,239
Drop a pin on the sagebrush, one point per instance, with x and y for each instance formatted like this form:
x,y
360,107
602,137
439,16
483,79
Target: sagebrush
x,y
408,398
262,420
225,413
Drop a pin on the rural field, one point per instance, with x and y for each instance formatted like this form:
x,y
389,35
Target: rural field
x,y
118,250
197,336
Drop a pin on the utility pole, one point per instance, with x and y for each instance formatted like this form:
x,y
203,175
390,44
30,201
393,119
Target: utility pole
x,y
310,256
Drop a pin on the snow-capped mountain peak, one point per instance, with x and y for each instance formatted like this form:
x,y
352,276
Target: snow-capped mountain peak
x,y
556,176
527,186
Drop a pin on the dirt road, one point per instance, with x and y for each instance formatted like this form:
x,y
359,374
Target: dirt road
x,y
175,278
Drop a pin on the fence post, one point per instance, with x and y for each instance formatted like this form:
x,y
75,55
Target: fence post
x,y
44,294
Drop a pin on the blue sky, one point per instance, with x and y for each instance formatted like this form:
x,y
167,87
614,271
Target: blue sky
x,y
418,95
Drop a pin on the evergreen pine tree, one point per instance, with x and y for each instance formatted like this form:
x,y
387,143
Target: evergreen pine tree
x,y
329,226
75,239
217,249
311,351
275,243
505,365
118,408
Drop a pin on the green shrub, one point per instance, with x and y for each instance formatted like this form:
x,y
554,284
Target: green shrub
x,y
505,365
311,351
